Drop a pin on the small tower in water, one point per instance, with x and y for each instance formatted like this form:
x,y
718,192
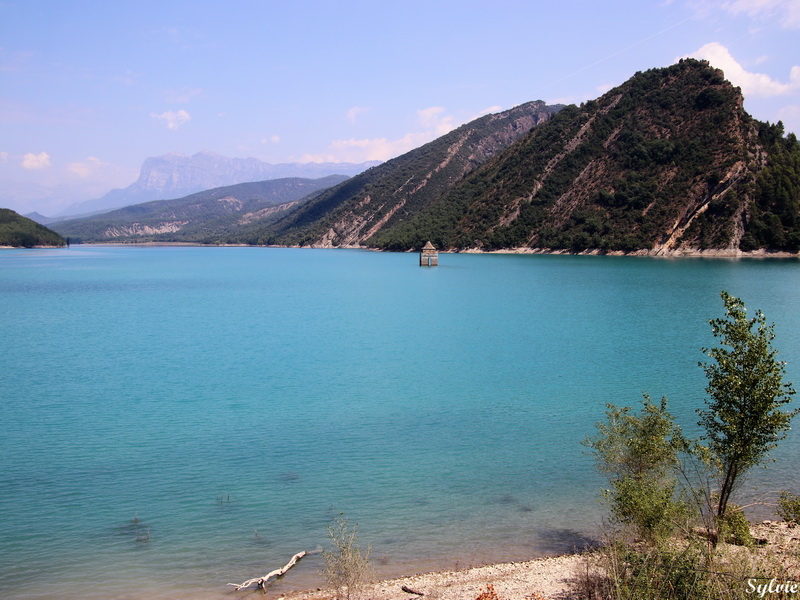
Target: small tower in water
x,y
429,257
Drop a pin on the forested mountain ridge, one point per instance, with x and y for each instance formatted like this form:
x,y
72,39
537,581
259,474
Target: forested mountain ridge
x,y
21,232
198,218
668,162
383,196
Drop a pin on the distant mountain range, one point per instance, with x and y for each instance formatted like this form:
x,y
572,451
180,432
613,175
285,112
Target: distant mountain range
x,y
669,162
202,217
425,172
176,175
388,195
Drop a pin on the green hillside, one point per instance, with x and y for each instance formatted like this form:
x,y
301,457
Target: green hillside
x,y
668,161
21,232
203,217
392,192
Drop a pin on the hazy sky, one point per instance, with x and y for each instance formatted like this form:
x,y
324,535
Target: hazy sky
x,y
89,89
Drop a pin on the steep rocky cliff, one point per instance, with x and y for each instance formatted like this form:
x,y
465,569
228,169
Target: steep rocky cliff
x,y
668,162
386,195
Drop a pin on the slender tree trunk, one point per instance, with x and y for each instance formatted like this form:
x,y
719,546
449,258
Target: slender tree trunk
x,y
724,492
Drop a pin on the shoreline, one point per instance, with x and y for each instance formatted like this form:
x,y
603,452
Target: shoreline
x,y
550,576
725,253
557,577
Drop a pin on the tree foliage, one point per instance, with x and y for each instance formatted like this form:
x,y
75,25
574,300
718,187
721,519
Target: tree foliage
x,y
639,453
743,420
774,220
648,461
19,231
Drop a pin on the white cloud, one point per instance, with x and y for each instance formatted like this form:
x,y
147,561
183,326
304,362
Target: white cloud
x,y
35,162
3,156
756,85
173,119
353,113
86,168
355,150
432,120
563,100
273,139
489,111
786,12
129,78
604,87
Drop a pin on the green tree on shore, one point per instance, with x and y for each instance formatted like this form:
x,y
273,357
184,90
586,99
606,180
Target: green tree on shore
x,y
642,453
743,420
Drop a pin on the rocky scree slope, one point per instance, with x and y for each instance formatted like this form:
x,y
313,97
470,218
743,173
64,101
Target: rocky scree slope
x,y
383,196
668,162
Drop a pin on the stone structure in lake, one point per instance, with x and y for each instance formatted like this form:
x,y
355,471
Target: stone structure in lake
x,y
429,257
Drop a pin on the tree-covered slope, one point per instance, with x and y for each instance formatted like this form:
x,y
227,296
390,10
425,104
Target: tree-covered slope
x,y
773,219
388,194
668,161
199,218
19,231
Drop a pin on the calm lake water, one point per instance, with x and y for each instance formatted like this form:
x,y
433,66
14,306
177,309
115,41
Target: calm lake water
x,y
174,419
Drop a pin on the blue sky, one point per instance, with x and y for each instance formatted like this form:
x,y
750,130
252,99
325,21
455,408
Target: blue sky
x,y
89,89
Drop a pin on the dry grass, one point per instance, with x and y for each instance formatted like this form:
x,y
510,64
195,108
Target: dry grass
x,y
347,567
690,569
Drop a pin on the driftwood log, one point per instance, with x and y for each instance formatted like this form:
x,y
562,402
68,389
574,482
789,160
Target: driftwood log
x,y
260,581
409,590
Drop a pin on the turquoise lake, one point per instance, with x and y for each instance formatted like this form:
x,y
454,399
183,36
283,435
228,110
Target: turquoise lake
x,y
174,419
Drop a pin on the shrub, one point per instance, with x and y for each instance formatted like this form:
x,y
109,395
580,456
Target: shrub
x,y
789,507
347,566
655,573
734,527
639,453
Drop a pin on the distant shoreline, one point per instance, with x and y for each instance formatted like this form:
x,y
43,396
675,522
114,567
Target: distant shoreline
x,y
30,247
713,253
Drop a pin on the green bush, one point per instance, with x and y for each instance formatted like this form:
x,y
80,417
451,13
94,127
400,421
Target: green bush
x,y
639,454
734,527
789,507
657,573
